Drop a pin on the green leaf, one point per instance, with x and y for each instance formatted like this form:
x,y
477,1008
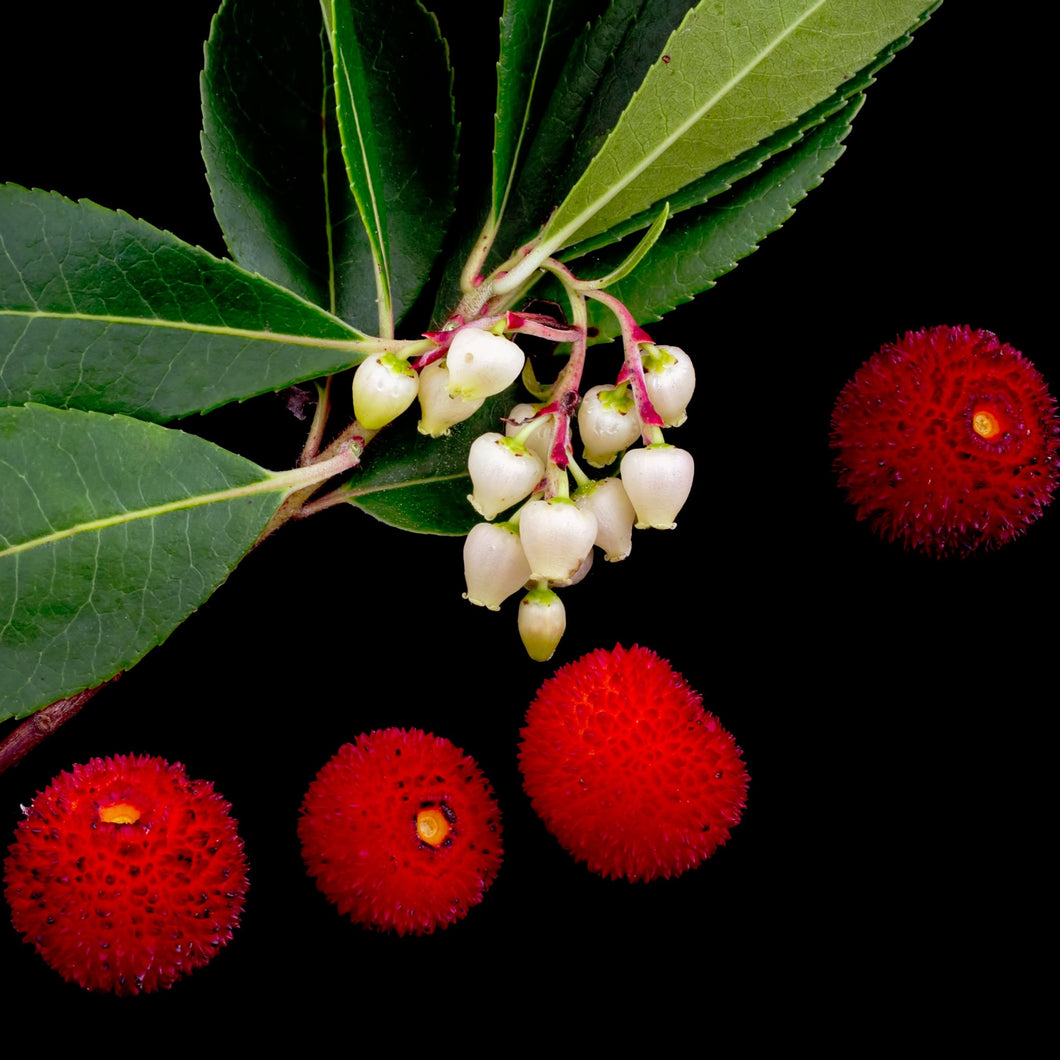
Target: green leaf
x,y
723,177
100,311
524,32
395,114
700,245
112,532
602,65
730,76
422,484
273,158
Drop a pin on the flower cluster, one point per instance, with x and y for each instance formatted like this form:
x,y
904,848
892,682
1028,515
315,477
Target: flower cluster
x,y
947,440
125,874
547,541
547,530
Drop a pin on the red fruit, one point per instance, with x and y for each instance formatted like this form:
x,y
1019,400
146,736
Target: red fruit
x,y
627,769
126,875
947,440
401,831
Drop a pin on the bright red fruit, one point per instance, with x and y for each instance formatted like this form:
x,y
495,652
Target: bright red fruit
x,y
125,874
626,768
401,831
947,441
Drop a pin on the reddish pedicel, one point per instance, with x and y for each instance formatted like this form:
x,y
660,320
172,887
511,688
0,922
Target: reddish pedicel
x,y
947,441
401,831
126,875
627,769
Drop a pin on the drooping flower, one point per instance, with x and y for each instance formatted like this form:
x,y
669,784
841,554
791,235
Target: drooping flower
x,y
401,831
657,480
947,441
626,768
125,874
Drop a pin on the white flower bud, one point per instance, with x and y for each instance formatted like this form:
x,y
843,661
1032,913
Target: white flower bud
x,y
439,409
540,439
608,501
495,565
542,620
658,480
670,379
607,423
503,472
556,536
383,387
482,364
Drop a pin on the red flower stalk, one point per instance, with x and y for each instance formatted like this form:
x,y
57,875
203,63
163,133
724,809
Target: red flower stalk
x,y
125,874
401,831
947,441
626,768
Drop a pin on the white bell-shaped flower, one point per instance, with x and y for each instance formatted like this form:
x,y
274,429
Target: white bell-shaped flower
x,y
658,480
670,379
556,536
482,364
608,423
383,387
540,439
439,409
503,472
495,564
542,620
608,501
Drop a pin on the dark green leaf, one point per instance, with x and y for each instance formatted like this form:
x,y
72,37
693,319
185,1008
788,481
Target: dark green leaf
x,y
395,114
602,66
700,245
123,529
273,159
731,75
525,28
422,484
722,178
100,311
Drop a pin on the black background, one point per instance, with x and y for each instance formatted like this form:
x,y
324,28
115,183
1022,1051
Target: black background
x,y
891,708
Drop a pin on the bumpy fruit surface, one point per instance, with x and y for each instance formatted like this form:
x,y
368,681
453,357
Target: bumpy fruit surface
x,y
947,441
401,831
126,875
626,768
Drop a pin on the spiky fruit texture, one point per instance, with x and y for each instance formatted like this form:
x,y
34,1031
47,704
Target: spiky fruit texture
x,y
947,441
626,768
401,831
125,874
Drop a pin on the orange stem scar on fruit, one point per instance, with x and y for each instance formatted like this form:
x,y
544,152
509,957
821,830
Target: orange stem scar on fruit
x,y
431,826
985,424
119,813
